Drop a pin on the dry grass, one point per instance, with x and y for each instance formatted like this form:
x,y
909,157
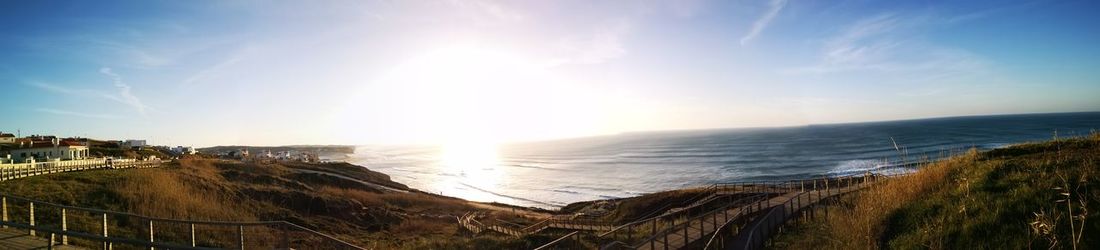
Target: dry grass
x,y
1025,196
208,189
162,194
420,226
861,224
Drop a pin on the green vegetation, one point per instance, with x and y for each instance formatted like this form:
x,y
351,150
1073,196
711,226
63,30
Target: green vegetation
x,y
1039,195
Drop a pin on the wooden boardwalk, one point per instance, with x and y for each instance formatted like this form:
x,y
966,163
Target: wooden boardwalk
x,y
470,222
19,240
705,226
682,228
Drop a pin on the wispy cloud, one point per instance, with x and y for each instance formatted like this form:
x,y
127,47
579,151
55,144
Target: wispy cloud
x,y
142,58
686,8
487,12
773,10
212,70
59,89
124,95
76,114
604,44
892,42
994,10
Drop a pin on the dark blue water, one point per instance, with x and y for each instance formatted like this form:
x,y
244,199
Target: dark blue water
x,y
555,173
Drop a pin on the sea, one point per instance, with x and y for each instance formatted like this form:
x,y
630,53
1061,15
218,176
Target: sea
x,y
551,174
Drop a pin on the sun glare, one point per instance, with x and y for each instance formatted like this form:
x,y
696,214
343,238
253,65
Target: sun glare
x,y
472,167
468,92
469,155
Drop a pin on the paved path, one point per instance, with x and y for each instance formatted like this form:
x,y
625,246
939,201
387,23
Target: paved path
x,y
372,184
19,240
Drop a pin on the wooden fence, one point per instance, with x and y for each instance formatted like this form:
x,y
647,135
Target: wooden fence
x,y
763,228
674,229
88,227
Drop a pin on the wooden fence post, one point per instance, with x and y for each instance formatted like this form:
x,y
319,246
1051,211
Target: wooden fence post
x,y
64,227
4,200
192,234
106,245
240,234
151,235
286,238
32,218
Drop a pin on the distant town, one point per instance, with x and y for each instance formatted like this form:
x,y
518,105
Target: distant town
x,y
17,149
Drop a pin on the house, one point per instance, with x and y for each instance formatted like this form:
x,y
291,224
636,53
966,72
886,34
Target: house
x,y
31,148
7,138
181,150
133,144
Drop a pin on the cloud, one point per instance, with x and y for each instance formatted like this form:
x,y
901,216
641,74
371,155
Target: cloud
x,y
143,58
604,44
774,7
892,43
124,95
76,114
59,89
487,12
212,70
686,8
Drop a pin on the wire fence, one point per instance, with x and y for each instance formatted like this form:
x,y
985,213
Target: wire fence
x,y
60,224
69,225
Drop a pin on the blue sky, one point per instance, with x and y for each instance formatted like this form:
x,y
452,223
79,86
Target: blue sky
x,y
365,72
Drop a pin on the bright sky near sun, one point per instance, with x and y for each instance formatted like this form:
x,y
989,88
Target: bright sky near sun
x,y
208,73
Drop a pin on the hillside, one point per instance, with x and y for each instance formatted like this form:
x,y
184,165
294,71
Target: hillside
x,y
213,189
1029,196
1015,197
318,149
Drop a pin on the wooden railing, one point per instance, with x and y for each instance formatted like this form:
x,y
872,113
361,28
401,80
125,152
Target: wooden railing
x,y
708,194
755,236
660,237
619,236
674,221
575,235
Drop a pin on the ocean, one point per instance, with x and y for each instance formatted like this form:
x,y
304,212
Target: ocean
x,y
554,173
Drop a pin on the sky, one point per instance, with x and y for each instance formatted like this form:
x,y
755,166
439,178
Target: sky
x,y
204,73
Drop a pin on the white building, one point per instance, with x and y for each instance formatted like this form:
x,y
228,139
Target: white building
x,y
133,143
7,138
184,150
55,150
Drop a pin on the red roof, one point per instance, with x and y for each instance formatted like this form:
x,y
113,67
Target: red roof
x,y
2,135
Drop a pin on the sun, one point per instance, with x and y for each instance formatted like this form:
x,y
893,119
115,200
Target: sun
x,y
469,156
470,93
470,169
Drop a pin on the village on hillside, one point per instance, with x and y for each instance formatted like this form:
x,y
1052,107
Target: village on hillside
x,y
16,149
